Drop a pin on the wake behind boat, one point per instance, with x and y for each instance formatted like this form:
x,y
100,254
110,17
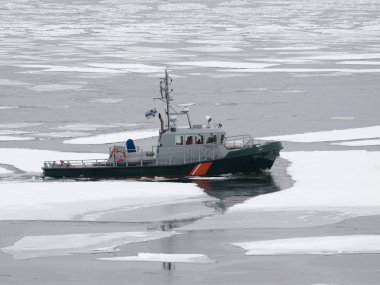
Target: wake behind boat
x,y
198,150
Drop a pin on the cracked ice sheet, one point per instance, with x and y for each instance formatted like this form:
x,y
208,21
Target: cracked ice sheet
x,y
360,143
352,244
31,160
333,135
59,245
330,186
90,201
115,137
162,257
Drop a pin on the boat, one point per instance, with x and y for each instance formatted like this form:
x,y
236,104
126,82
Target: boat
x,y
193,150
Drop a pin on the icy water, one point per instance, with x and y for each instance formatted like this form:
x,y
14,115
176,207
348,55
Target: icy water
x,y
72,71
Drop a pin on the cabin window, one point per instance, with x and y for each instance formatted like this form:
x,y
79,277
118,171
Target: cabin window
x,y
199,139
189,139
221,138
210,138
178,140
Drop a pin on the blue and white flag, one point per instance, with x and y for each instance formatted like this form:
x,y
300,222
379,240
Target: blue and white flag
x,y
151,113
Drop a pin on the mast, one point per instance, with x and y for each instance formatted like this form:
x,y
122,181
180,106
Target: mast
x,y
165,95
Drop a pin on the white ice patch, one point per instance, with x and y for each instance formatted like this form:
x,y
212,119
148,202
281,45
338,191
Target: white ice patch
x,y
301,70
327,245
360,62
163,257
334,135
325,179
107,100
18,125
89,243
4,171
12,138
91,127
7,82
56,68
54,87
342,118
330,186
115,137
32,160
8,107
89,200
360,143
137,68
225,64
213,49
60,134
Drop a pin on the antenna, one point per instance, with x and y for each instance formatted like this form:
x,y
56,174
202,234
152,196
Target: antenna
x,y
165,94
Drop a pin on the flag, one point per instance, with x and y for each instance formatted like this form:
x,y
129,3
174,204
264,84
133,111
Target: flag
x,y
151,113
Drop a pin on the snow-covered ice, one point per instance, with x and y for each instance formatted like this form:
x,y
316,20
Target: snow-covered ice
x,y
333,135
163,257
4,171
350,244
13,138
107,100
329,186
225,64
325,179
89,243
360,143
115,137
31,160
91,200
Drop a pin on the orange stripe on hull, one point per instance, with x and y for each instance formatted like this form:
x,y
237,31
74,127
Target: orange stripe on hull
x,y
200,169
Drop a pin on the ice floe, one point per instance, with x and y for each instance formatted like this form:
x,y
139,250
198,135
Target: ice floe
x,y
329,186
360,143
18,125
225,64
13,138
301,70
327,245
89,243
4,171
8,107
163,257
115,137
67,134
126,67
90,200
31,160
89,126
57,68
107,100
54,87
333,135
325,179
360,62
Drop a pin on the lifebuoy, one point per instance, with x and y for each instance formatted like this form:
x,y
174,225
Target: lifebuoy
x,y
124,154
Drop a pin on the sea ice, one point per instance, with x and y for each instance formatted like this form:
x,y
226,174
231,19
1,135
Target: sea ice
x,y
352,244
54,87
360,143
333,135
225,64
115,137
329,186
107,100
4,171
58,245
89,200
13,138
163,257
8,107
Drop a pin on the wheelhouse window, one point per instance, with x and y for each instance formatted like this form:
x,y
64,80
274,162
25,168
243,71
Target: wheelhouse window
x,y
210,138
178,140
222,138
189,139
199,139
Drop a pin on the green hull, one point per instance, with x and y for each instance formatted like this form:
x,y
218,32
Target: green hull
x,y
247,160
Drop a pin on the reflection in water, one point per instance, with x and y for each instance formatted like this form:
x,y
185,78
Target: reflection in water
x,y
237,189
168,266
